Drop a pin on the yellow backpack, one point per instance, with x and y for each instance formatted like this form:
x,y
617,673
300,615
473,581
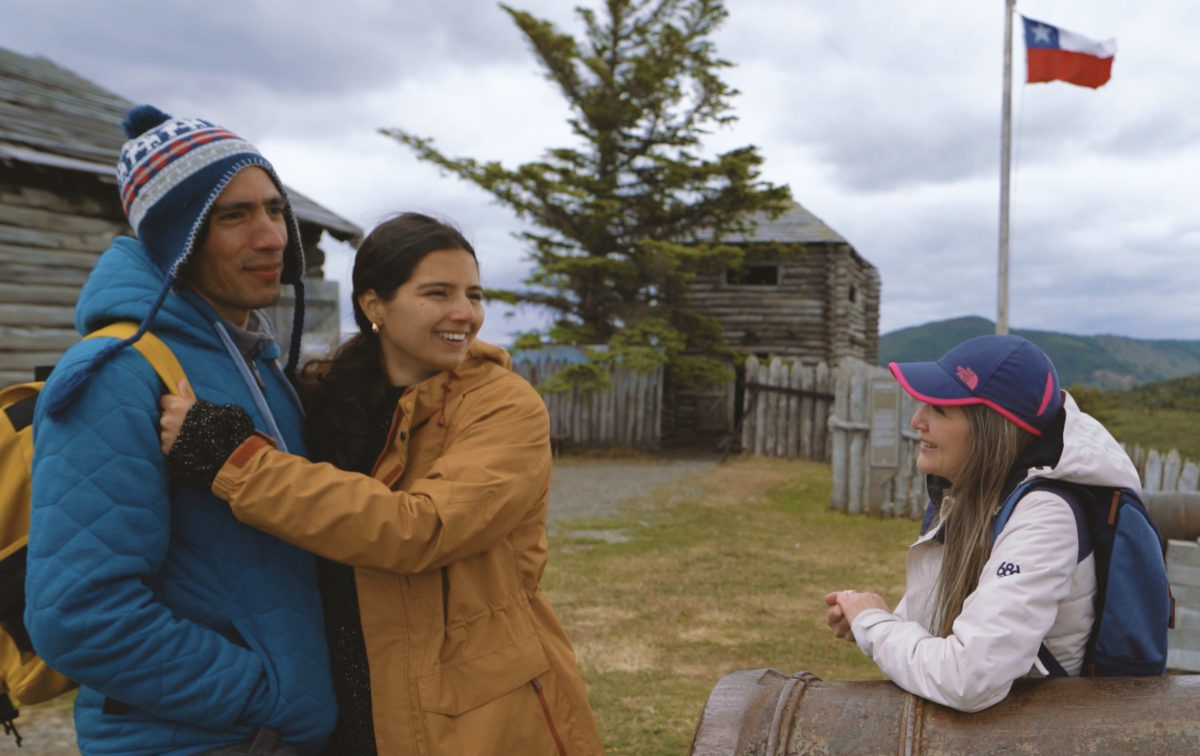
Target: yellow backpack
x,y
23,674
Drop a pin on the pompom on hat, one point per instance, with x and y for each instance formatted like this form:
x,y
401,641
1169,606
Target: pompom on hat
x,y
1007,373
170,173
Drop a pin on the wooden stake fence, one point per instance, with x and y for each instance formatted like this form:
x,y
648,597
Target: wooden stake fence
x,y
629,414
786,409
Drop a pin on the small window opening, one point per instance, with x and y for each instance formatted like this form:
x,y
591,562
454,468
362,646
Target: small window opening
x,y
754,275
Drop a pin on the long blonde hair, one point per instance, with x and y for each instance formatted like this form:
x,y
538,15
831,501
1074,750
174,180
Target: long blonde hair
x,y
968,509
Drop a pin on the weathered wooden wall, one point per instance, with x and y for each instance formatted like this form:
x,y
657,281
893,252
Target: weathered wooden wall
x,y
825,306
629,414
51,233
53,227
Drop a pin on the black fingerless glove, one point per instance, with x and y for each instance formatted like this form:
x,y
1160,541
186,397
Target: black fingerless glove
x,y
208,436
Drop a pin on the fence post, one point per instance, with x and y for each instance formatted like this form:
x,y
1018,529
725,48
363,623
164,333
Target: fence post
x,y
1152,480
795,408
884,444
839,422
1170,474
1189,479
822,412
856,454
777,412
750,400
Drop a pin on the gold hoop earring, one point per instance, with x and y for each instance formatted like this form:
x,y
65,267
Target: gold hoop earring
x,y
375,328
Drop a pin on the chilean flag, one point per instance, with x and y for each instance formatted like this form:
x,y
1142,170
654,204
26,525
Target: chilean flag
x,y
1057,54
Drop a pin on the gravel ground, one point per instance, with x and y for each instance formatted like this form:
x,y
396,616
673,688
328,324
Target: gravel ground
x,y
581,490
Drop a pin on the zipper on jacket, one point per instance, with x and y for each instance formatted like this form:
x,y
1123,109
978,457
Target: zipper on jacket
x,y
537,686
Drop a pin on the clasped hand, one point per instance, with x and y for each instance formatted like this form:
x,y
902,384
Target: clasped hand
x,y
844,606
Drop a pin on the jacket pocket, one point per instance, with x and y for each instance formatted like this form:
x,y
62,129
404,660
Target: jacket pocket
x,y
263,710
456,689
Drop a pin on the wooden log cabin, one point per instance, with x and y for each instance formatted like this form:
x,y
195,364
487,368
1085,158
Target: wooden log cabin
x,y
802,291
60,138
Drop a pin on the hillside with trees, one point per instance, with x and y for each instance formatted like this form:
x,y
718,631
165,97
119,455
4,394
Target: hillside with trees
x,y
1102,362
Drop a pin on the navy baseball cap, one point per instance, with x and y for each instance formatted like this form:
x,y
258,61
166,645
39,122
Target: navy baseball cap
x,y
1005,372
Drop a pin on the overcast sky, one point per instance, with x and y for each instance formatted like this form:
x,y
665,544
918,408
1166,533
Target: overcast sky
x,y
883,118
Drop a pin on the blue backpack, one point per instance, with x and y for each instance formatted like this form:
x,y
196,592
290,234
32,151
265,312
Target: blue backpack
x,y
1134,606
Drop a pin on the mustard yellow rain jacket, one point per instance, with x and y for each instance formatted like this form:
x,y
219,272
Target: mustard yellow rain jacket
x,y
448,540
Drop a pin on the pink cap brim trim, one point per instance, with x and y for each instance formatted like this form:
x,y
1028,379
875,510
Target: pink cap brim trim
x,y
1048,394
904,384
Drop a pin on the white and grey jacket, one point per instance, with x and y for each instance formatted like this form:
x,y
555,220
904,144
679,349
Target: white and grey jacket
x,y
1033,590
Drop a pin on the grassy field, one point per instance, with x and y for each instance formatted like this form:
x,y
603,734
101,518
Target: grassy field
x,y
731,579
1162,429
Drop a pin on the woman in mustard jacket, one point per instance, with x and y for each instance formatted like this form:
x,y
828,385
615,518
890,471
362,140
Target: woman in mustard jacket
x,y
428,508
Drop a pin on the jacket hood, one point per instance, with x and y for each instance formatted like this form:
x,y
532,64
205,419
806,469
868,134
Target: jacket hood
x,y
124,286
1090,454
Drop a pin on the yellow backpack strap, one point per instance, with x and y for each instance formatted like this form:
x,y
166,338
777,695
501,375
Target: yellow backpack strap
x,y
157,353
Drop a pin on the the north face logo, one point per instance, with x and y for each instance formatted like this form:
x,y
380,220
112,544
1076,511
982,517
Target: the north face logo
x,y
967,376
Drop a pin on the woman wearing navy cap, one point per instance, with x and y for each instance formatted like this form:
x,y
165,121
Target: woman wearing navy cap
x,y
976,612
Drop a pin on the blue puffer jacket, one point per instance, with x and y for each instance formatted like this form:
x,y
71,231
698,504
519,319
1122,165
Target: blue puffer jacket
x,y
186,629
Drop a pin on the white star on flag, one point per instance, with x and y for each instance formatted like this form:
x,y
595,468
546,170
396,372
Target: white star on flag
x,y
1041,33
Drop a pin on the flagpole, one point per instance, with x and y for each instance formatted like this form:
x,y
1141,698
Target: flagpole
x,y
1005,151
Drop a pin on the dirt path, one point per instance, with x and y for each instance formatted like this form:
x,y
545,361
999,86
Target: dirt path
x,y
581,491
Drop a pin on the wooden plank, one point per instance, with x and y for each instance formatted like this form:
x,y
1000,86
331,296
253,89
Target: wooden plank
x,y
808,412
17,253
1186,595
56,202
54,240
749,402
795,404
1153,475
56,221
1181,574
53,316
1171,469
23,363
855,466
1187,617
824,383
1182,554
774,378
21,339
1189,479
38,293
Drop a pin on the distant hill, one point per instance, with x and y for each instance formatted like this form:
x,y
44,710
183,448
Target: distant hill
x,y
1105,362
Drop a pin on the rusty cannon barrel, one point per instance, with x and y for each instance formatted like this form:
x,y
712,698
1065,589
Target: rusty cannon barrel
x,y
1176,514
762,712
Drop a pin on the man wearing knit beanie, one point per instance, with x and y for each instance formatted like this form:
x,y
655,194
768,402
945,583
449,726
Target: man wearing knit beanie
x,y
188,632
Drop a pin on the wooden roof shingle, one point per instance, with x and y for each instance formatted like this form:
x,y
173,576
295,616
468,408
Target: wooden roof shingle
x,y
52,117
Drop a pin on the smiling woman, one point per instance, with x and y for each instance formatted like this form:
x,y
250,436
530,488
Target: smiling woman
x,y
431,519
981,610
429,322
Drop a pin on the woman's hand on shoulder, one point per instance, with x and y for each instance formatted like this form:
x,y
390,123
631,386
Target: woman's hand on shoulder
x,y
174,410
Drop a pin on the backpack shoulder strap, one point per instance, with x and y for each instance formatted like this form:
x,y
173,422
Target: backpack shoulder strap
x,y
156,352
1076,496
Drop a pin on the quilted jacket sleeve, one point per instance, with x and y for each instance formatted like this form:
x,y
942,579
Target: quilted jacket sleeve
x,y
99,536
996,637
493,470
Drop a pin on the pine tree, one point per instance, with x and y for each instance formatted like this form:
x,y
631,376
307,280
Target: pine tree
x,y
626,219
